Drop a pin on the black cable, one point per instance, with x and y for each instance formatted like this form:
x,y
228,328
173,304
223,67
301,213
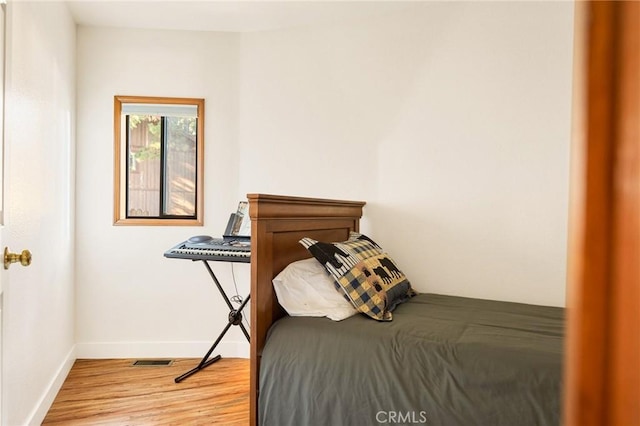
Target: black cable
x,y
237,298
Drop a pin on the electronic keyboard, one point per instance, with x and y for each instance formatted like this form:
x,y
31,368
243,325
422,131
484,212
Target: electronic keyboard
x,y
203,247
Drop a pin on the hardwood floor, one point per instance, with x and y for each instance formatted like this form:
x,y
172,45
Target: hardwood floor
x,y
113,392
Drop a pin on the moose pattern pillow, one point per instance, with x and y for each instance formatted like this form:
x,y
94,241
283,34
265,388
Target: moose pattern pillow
x,y
367,275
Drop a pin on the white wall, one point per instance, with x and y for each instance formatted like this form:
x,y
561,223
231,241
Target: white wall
x,y
131,300
452,121
38,319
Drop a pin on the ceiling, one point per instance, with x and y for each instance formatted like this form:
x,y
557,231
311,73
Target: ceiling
x,y
234,16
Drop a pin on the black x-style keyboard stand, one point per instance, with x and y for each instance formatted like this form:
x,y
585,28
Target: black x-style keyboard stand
x,y
235,318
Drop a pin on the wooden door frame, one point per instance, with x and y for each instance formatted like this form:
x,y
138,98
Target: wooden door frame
x,y
602,378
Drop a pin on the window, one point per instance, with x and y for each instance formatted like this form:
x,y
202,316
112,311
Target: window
x,y
159,151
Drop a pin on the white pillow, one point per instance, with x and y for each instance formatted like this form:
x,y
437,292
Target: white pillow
x,y
304,288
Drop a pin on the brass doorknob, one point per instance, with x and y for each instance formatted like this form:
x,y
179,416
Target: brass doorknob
x,y
24,258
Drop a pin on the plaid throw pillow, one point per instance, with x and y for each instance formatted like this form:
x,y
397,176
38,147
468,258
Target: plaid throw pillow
x,y
369,278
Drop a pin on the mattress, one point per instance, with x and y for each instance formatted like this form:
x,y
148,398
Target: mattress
x,y
443,360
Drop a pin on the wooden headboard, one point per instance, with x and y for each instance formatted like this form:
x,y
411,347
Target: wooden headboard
x,y
277,224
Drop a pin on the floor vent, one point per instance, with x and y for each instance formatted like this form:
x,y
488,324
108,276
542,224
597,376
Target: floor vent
x,y
152,363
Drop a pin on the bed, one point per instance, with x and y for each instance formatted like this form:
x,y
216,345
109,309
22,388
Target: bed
x,y
443,360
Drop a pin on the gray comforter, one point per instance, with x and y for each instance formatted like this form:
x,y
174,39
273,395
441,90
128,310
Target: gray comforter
x,y
442,361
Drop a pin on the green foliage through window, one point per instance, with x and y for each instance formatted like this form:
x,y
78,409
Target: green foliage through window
x,y
163,153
